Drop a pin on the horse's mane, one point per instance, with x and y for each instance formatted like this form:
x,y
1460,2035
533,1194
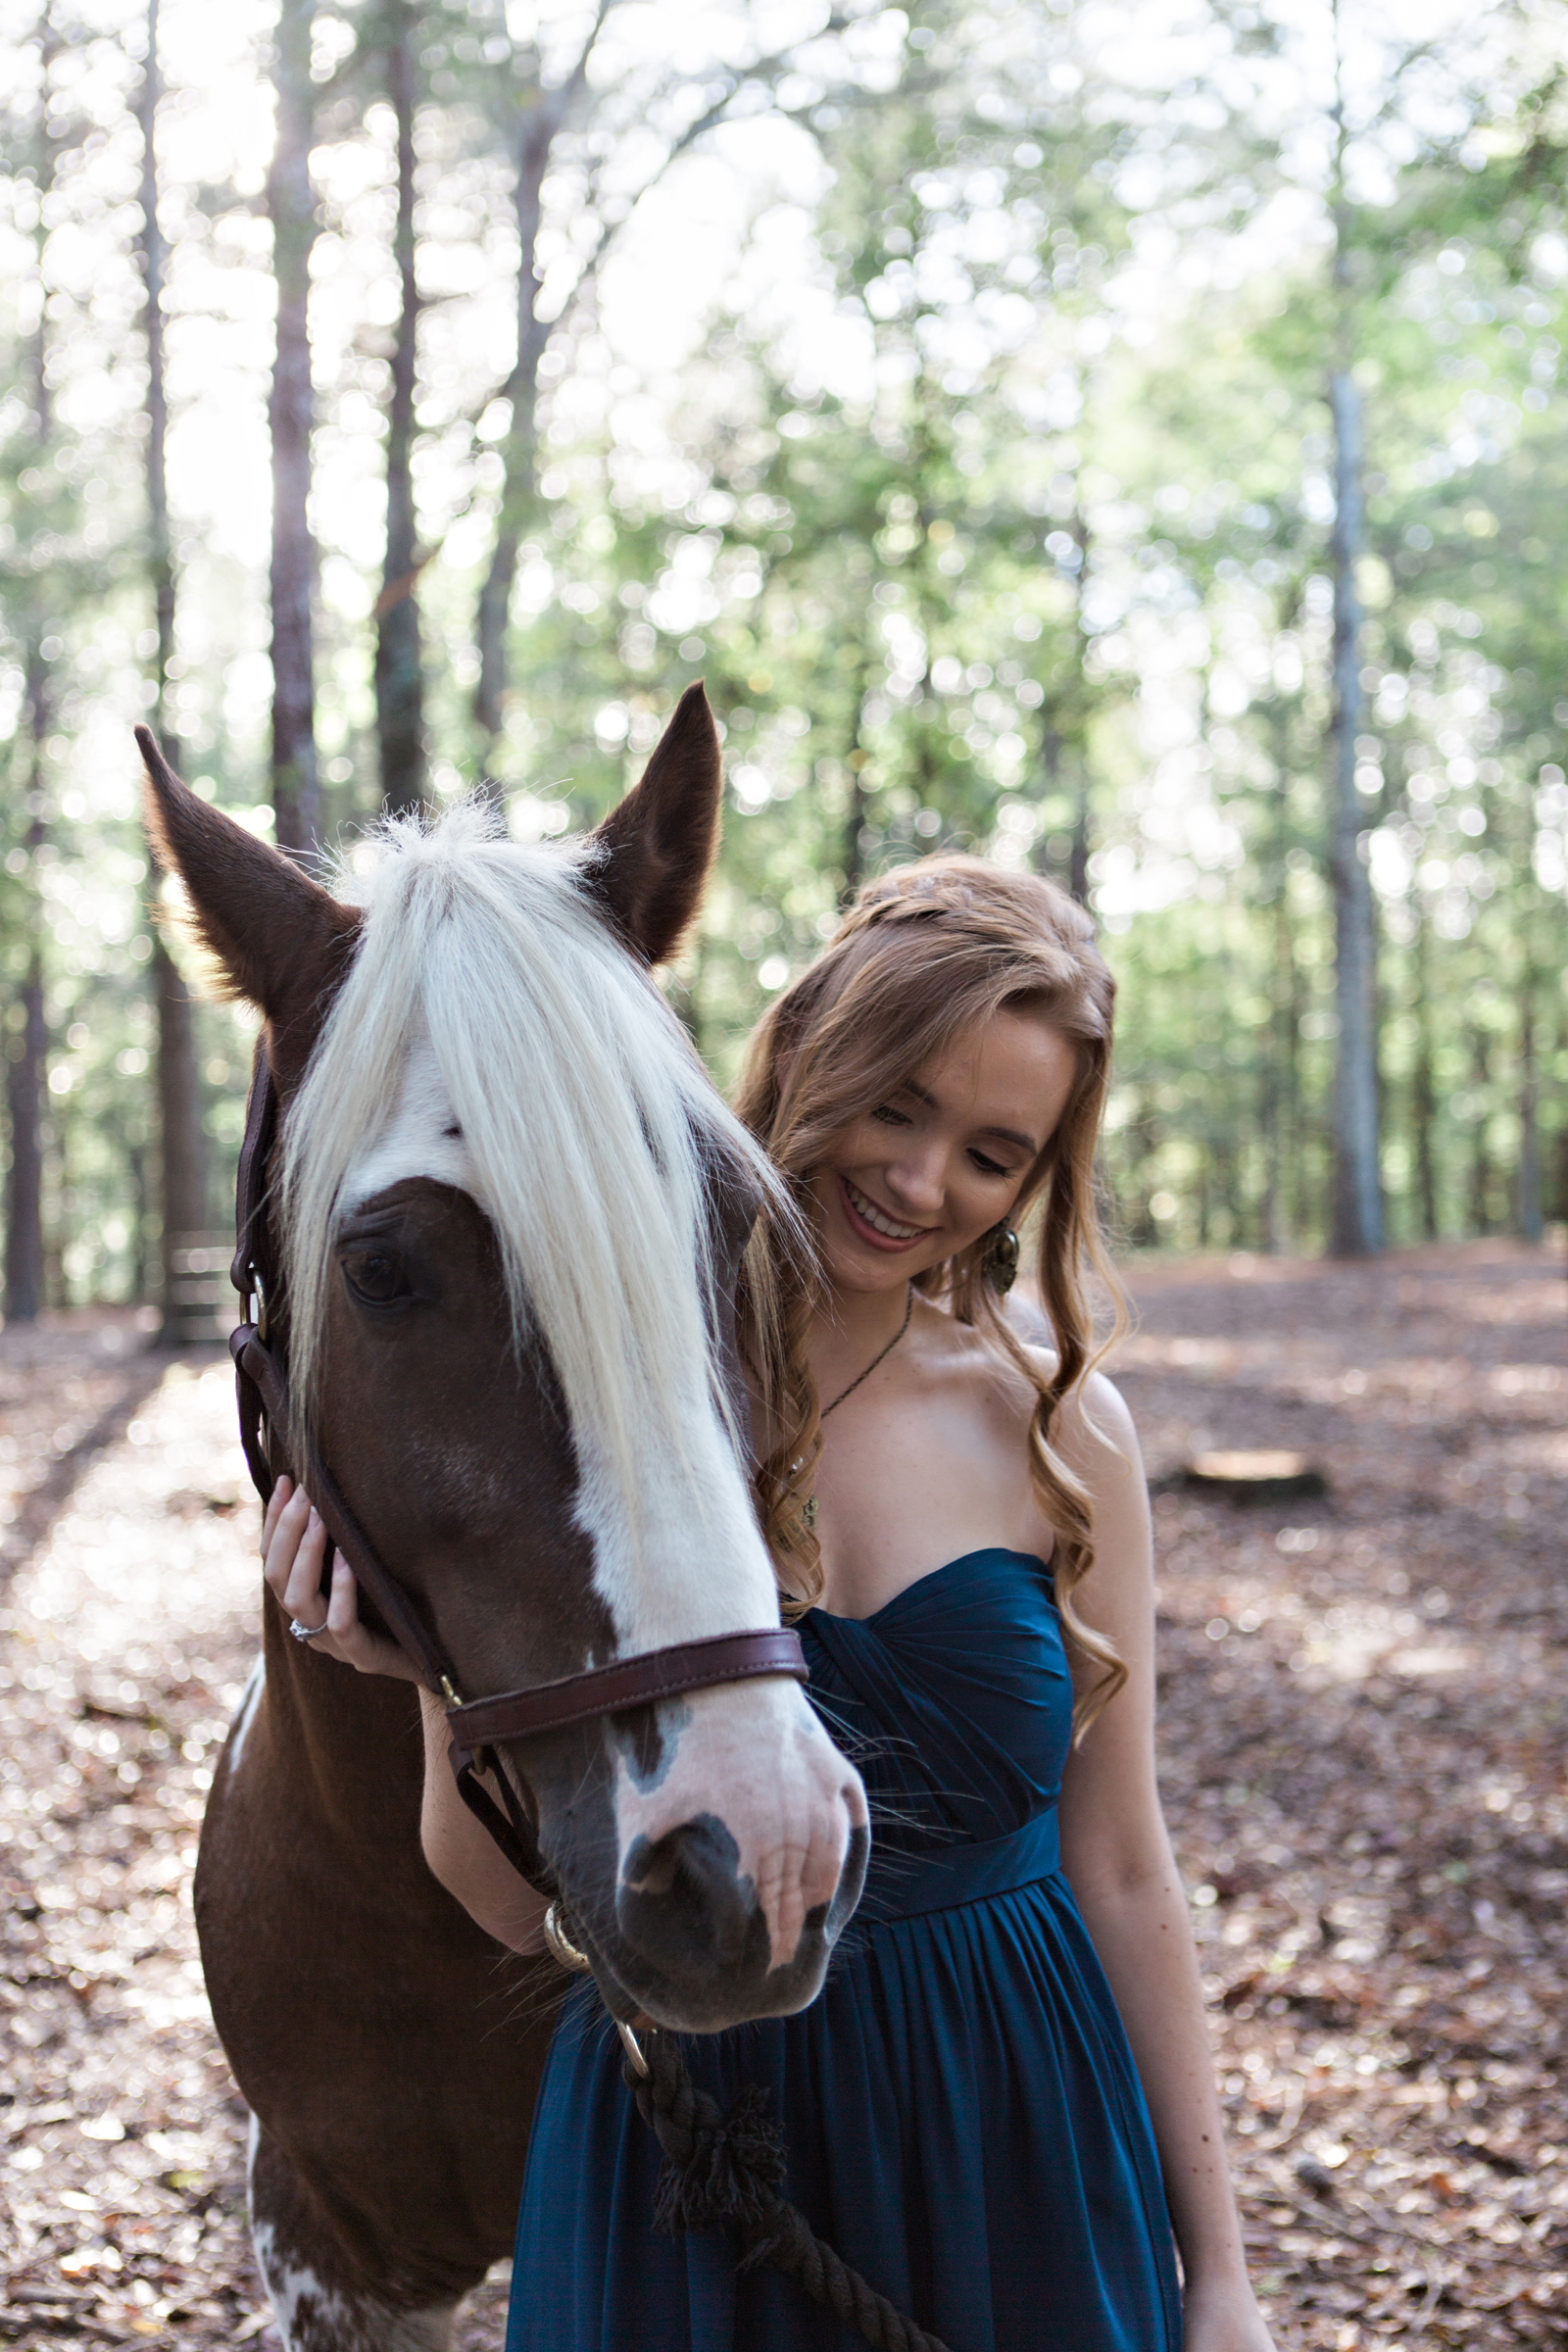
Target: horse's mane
x,y
592,1127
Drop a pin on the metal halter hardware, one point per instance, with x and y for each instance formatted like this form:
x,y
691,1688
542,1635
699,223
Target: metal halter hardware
x,y
477,1725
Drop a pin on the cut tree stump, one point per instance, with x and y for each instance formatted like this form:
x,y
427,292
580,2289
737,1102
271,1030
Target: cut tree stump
x,y
1256,1477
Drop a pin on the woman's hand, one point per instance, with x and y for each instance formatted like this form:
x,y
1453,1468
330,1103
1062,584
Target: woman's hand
x,y
1223,2318
293,1548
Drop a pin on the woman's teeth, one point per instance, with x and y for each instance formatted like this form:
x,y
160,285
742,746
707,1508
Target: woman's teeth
x,y
874,1217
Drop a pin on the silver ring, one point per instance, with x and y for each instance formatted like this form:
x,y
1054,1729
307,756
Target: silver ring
x,y
304,1633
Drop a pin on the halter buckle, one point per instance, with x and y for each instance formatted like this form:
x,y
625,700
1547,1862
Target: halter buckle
x,y
253,1303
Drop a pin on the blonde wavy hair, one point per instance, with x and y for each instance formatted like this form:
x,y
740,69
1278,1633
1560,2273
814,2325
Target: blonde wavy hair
x,y
924,954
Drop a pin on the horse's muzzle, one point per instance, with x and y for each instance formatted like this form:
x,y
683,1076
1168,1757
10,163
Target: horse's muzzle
x,y
688,1945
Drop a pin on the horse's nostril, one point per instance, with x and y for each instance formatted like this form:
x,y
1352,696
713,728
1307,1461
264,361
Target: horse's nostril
x,y
652,1869
683,1902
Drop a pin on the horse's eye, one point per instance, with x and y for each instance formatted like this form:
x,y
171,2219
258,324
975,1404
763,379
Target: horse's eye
x,y
375,1276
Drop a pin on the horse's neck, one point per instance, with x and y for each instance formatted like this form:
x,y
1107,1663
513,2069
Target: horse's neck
x,y
345,1746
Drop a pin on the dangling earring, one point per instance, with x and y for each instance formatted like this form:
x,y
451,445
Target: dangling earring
x,y
1000,1265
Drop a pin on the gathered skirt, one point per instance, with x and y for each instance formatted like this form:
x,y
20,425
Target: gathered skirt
x,y
964,2122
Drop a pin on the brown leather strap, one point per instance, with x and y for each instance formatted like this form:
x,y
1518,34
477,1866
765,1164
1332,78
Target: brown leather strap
x,y
629,1682
253,1257
252,1414
512,1830
257,1365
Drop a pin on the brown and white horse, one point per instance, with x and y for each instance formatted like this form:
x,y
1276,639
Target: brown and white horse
x,y
510,1212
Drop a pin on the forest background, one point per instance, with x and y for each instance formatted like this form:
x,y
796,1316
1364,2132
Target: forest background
x,y
1122,438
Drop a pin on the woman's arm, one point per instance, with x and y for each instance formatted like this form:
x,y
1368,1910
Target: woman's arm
x,y
460,1852
463,1855
1117,1857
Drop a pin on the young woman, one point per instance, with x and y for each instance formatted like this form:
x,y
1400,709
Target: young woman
x,y
1003,2099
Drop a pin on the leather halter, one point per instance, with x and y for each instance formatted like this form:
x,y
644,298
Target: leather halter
x,y
480,1724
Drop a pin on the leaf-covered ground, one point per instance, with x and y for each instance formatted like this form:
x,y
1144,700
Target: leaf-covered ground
x,y
1366,1738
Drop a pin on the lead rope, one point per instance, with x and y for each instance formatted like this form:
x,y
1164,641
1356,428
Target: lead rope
x,y
727,2171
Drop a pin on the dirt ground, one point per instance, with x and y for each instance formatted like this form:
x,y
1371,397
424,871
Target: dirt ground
x,y
1365,1758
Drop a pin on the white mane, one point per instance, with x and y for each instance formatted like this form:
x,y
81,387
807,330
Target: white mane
x,y
588,1123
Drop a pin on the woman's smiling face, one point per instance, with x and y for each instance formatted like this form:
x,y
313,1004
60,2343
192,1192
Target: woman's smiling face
x,y
924,1174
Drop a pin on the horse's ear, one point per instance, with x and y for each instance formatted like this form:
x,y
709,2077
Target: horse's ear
x,y
281,941
657,847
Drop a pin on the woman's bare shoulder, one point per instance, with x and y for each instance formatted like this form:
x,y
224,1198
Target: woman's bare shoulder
x,y
1093,1428
1094,1425
964,1361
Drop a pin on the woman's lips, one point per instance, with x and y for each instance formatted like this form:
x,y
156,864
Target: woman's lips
x,y
864,1231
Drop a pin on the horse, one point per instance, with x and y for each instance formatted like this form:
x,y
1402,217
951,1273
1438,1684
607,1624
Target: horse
x,y
510,1211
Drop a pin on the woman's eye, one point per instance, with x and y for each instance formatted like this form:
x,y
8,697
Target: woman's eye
x,y
375,1276
988,1167
889,1116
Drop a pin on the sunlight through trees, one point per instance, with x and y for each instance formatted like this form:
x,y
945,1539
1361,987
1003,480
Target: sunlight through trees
x,y
1119,438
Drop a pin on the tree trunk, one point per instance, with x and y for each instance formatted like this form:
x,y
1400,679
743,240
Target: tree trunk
x,y
1532,1217
857,800
520,449
181,1136
1481,1156
857,818
1050,784
1080,844
25,1099
399,672
141,1223
546,114
290,203
184,1186
1423,1084
1073,872
1279,1091
1082,840
1358,1226
26,1043
160,557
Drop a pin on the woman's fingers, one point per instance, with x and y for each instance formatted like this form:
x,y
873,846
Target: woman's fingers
x,y
287,1522
354,1644
347,1639
282,1489
343,1607
302,1594
294,1556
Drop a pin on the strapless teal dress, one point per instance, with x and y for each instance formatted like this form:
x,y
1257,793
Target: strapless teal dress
x,y
963,2117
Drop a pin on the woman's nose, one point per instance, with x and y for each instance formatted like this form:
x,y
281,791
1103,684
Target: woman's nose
x,y
915,1178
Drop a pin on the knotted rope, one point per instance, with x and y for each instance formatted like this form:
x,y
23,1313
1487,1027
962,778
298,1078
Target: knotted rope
x,y
729,2170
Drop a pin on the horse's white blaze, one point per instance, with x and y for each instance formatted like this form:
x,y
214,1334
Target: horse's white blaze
x,y
245,1713
491,1035
653,1566
422,1135
754,1755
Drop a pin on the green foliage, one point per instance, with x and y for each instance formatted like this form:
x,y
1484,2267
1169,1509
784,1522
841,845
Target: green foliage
x,y
1012,535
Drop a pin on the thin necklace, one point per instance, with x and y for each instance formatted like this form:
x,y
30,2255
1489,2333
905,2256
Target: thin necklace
x,y
809,1509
